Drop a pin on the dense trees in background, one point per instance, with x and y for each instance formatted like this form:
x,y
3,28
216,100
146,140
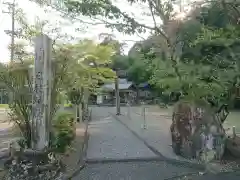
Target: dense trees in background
x,y
196,55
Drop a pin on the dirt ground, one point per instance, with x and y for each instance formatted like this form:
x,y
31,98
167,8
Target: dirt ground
x,y
73,155
7,131
6,136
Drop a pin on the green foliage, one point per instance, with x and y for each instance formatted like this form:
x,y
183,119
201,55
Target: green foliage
x,y
75,96
216,50
206,64
71,70
192,84
138,73
63,131
85,67
94,8
120,62
68,105
5,106
86,62
15,77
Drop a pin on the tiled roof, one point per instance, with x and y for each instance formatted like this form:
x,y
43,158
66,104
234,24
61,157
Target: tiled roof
x,y
123,84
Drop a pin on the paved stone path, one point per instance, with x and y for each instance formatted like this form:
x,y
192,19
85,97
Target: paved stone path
x,y
132,171
156,134
109,139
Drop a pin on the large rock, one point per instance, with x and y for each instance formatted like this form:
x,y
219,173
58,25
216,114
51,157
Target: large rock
x,y
197,130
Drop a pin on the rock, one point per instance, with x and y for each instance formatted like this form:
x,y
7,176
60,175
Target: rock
x,y
32,165
196,129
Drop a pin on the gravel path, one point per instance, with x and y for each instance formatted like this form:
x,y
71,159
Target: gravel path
x,y
157,133
132,171
109,139
147,171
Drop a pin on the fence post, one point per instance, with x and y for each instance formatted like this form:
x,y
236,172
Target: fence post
x,y
128,110
144,125
234,131
118,111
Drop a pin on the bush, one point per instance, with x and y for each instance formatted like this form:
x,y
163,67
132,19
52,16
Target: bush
x,y
63,131
164,99
68,105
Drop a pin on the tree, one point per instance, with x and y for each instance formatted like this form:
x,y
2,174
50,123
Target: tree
x,y
176,36
17,76
203,53
213,42
86,68
162,11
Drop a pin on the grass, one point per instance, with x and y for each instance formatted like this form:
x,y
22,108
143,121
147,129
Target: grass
x,y
163,111
233,118
4,106
68,105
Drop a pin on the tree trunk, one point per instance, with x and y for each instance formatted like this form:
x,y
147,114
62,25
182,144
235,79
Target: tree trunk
x,y
117,97
76,112
80,118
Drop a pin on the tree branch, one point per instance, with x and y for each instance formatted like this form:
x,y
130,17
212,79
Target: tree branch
x,y
153,17
159,10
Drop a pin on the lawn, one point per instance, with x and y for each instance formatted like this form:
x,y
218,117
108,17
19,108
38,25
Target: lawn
x,y
233,118
68,105
4,106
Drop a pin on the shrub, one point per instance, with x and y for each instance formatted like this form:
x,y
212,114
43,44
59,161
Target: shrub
x,y
63,131
68,105
164,98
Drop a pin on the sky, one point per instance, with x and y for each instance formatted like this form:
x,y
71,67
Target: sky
x,y
90,32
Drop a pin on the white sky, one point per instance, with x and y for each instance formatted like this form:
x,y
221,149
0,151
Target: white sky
x,y
91,32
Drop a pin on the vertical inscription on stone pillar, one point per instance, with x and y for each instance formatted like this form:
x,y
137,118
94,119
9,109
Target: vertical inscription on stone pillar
x,y
40,101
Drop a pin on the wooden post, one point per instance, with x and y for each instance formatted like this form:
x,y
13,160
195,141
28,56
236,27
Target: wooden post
x,y
144,118
144,125
77,113
1,95
80,114
117,96
234,131
85,98
128,110
42,78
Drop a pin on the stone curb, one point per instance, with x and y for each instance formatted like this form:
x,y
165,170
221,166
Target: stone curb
x,y
82,160
105,160
163,158
160,115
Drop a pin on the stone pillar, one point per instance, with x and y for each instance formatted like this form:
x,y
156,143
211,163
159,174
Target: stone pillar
x,y
41,97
